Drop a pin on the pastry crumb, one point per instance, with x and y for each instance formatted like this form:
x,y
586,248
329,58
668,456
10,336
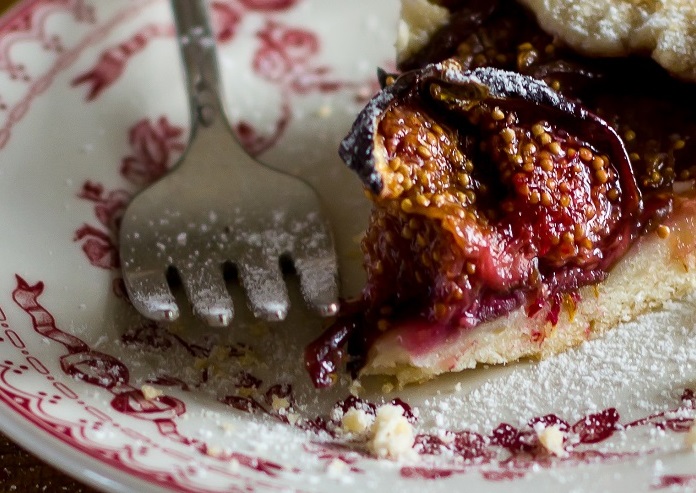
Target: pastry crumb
x,y
356,421
246,391
213,451
280,403
392,436
150,392
551,438
336,468
420,19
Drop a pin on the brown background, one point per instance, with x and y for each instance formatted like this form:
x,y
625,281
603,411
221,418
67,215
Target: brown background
x,y
20,471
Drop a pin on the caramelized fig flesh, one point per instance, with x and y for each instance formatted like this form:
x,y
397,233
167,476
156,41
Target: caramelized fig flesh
x,y
489,190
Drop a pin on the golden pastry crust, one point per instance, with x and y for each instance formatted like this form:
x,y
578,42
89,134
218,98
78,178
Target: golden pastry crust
x,y
419,21
666,29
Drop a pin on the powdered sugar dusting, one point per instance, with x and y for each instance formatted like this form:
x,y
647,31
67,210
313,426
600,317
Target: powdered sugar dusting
x,y
639,365
617,390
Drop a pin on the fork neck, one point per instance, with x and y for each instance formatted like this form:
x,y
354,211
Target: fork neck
x,y
197,46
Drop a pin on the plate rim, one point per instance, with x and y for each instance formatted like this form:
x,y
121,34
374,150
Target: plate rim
x,y
22,430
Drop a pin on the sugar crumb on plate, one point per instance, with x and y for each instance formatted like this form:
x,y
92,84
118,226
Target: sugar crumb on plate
x,y
551,438
356,421
150,392
392,436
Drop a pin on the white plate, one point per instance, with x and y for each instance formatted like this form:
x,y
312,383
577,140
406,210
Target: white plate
x,y
91,108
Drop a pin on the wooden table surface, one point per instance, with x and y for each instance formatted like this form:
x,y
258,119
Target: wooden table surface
x,y
23,472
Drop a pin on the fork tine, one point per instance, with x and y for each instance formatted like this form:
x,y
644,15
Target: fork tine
x,y
318,282
150,293
315,262
265,288
205,287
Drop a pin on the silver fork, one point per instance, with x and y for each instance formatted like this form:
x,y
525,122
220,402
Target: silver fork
x,y
219,205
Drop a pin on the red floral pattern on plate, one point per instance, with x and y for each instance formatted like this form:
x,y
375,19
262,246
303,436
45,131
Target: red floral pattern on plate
x,y
506,454
84,364
675,480
288,57
285,57
154,148
27,24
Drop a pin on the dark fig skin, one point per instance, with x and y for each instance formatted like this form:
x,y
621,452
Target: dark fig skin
x,y
500,87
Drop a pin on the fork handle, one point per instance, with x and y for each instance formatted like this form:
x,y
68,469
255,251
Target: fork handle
x,y
197,46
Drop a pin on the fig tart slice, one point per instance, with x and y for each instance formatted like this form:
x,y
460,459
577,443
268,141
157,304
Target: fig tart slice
x,y
526,197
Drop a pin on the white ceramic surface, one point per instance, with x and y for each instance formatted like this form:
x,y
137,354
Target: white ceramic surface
x,y
91,109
